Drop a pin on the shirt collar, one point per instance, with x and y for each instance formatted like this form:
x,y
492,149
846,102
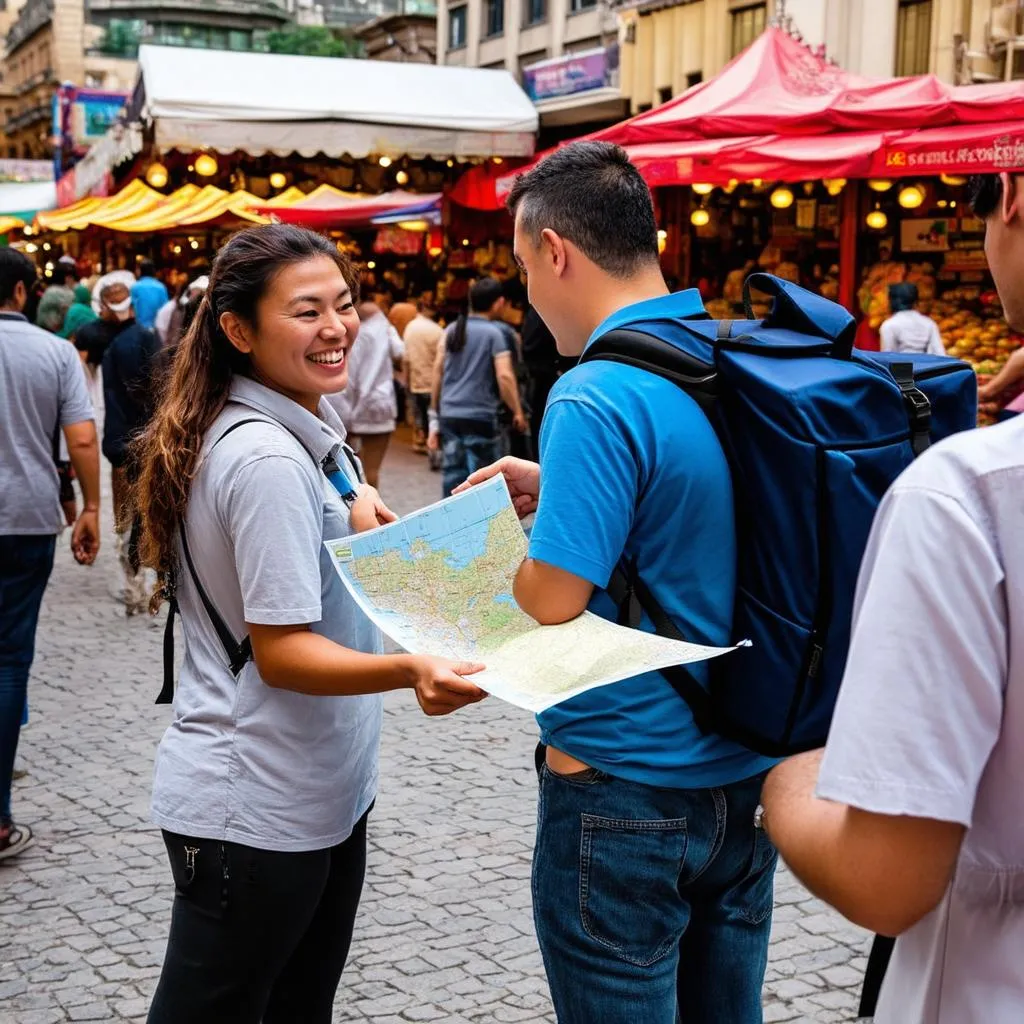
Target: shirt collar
x,y
322,434
664,307
11,315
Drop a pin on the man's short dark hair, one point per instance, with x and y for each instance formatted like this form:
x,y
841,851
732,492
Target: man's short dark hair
x,y
591,195
65,272
147,268
484,294
902,296
14,267
985,191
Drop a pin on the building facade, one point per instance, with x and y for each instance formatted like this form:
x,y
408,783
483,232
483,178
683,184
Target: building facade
x,y
409,36
585,62
46,45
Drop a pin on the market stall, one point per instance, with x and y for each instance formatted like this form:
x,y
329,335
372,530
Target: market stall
x,y
787,163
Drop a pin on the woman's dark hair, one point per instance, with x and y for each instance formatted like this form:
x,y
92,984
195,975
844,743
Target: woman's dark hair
x,y
482,296
205,363
902,296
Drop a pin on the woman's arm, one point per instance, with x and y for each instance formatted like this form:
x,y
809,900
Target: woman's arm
x,y
1010,374
295,658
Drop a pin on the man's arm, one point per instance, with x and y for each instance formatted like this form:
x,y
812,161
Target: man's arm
x,y
84,452
550,595
435,391
884,872
508,387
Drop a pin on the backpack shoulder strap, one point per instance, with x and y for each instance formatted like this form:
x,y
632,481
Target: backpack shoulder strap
x,y
239,653
645,351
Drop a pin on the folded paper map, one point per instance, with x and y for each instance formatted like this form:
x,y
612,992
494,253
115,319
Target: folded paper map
x,y
439,582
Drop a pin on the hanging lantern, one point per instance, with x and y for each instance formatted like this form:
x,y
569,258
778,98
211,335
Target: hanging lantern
x,y
402,178
435,241
911,197
876,220
385,161
206,165
703,189
156,175
662,241
700,217
953,180
879,184
782,198
278,180
730,187
834,185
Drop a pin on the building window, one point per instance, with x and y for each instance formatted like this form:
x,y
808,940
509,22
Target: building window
x,y
536,11
494,23
747,24
913,37
239,40
582,5
456,28
664,94
694,78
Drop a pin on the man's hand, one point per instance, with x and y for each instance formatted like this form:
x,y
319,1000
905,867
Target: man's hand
x,y
85,538
441,687
522,477
519,423
433,441
70,508
369,511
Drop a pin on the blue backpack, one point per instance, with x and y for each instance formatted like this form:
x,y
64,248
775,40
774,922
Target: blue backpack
x,y
815,433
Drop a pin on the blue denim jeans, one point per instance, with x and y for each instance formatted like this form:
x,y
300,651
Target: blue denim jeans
x,y
652,905
465,451
25,566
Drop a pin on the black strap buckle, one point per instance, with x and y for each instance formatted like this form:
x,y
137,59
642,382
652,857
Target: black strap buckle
x,y
918,405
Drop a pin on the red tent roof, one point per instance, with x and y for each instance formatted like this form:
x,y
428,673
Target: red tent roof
x,y
780,112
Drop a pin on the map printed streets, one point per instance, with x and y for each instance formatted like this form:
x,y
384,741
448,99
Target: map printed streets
x,y
439,582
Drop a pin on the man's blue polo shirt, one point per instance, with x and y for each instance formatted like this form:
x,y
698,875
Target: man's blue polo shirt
x,y
631,466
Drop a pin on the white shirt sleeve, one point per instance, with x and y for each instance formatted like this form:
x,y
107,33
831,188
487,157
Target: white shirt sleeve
x,y
396,344
921,703
935,346
888,336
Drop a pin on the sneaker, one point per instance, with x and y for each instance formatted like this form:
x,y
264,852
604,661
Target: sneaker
x,y
14,839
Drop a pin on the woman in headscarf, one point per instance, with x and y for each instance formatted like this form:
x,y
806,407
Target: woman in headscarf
x,y
79,313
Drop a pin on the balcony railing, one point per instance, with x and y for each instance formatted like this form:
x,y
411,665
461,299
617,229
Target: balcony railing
x,y
140,8
40,112
45,77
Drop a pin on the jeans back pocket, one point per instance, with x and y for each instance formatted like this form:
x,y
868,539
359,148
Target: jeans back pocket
x,y
629,877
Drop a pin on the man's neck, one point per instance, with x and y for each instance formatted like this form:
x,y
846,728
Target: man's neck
x,y
615,294
11,307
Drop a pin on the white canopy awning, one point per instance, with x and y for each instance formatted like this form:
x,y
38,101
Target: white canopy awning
x,y
273,103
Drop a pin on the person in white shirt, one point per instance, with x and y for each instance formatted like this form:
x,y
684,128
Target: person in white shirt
x,y
908,330
370,395
909,822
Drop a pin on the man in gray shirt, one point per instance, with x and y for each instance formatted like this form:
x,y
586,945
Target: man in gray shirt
x,y
42,393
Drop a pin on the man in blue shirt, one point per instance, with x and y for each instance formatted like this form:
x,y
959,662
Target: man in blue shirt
x,y
652,883
148,295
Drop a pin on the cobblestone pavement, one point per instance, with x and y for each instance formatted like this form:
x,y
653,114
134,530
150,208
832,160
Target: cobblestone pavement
x,y
444,932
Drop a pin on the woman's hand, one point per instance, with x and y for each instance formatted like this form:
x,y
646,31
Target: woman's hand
x,y
368,511
441,687
522,477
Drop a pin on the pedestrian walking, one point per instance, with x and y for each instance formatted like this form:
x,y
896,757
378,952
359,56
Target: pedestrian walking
x,y
79,313
652,885
149,295
42,397
129,391
909,330
58,297
370,396
266,775
474,372
909,821
421,338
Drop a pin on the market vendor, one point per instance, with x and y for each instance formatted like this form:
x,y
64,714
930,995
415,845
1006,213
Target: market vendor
x,y
908,330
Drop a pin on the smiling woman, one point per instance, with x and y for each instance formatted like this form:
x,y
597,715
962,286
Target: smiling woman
x,y
266,774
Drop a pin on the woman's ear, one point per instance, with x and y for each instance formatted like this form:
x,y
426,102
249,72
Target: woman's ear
x,y
237,331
